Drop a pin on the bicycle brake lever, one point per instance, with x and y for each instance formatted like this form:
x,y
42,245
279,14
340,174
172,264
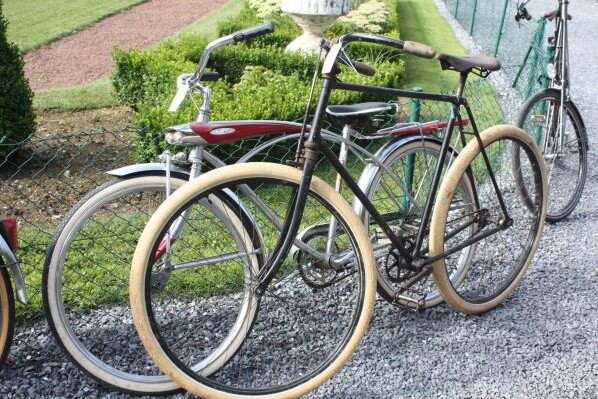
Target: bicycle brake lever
x,y
182,84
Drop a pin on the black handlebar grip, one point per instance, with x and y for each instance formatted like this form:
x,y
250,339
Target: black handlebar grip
x,y
365,37
421,50
364,68
209,76
257,30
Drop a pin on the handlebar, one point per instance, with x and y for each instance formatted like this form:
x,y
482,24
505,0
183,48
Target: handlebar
x,y
414,48
253,31
522,12
234,37
209,76
186,82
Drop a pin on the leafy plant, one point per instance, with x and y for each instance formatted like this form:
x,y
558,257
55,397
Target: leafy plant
x,y
259,79
17,121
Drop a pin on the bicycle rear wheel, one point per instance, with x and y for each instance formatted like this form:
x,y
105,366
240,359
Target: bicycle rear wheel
x,y
7,313
303,332
85,283
565,151
505,245
399,191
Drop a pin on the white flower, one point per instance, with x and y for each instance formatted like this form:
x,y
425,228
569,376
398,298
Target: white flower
x,y
371,15
265,8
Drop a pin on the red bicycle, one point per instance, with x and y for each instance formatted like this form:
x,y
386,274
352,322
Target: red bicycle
x,y
8,262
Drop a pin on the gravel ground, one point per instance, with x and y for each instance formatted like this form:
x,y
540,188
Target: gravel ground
x,y
542,343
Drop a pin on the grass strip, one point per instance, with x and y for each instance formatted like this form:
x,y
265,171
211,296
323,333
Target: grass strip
x,y
96,94
33,23
420,21
100,93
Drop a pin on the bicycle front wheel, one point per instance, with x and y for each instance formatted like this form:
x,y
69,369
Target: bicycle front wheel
x,y
506,238
564,146
85,283
309,319
7,313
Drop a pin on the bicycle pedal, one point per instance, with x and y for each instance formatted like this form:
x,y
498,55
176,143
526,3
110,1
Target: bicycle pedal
x,y
408,303
538,119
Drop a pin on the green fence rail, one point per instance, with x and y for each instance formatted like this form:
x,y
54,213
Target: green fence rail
x,y
519,46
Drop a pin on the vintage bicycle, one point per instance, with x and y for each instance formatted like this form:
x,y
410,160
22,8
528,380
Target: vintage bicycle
x,y
552,117
93,246
274,332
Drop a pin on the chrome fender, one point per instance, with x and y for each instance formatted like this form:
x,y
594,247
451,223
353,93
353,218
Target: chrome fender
x,y
181,173
147,168
159,168
13,265
381,156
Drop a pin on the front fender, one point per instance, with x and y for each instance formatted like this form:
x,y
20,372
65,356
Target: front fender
x,y
574,110
147,168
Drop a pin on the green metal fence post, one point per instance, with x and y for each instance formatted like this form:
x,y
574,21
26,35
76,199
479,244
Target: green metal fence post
x,y
536,69
456,8
502,24
414,114
475,9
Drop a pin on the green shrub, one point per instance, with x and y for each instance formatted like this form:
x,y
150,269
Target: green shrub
x,y
142,74
231,61
259,80
17,121
285,29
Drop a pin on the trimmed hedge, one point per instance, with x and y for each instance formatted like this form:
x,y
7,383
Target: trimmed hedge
x,y
260,80
17,120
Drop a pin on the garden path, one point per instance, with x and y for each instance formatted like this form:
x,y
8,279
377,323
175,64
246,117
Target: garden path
x,y
87,55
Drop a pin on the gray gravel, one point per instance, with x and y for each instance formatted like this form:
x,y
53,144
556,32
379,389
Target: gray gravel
x,y
542,343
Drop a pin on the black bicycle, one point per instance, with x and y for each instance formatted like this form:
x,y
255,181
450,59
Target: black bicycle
x,y
286,335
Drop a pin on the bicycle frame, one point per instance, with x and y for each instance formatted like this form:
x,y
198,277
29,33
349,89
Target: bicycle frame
x,y
203,132
417,262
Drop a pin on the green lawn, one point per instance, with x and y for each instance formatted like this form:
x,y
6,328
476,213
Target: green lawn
x,y
92,95
33,23
208,25
420,21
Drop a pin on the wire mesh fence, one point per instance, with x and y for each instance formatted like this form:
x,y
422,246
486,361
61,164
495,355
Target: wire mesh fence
x,y
42,180
519,45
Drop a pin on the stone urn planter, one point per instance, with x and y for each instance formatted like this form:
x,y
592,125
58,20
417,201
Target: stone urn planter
x,y
314,17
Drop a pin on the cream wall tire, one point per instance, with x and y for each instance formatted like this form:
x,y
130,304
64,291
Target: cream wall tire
x,y
503,258
203,385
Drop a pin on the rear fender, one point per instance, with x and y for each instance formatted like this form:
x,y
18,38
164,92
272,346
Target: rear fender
x,y
372,168
13,265
156,169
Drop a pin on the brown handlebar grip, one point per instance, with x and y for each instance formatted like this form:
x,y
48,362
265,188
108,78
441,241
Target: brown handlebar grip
x,y
421,50
364,68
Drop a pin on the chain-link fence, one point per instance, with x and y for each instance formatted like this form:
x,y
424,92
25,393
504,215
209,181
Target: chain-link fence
x,y
518,45
42,180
